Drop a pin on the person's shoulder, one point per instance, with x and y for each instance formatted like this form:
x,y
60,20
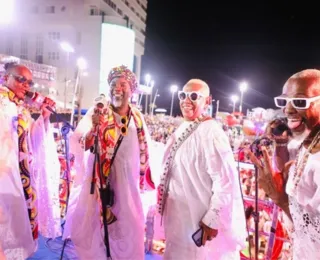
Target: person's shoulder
x,y
212,124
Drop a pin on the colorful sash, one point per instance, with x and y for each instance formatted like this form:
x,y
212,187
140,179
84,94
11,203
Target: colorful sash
x,y
24,162
109,135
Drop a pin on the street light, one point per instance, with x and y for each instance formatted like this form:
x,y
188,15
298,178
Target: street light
x,y
82,65
151,92
173,89
154,101
243,88
147,79
234,100
68,49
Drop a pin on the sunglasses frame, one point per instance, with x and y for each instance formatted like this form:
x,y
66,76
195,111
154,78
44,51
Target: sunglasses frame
x,y
188,94
23,80
308,101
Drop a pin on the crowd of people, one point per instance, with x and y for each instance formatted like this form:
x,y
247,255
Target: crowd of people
x,y
161,127
114,162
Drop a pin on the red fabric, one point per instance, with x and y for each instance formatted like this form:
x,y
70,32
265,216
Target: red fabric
x,y
149,180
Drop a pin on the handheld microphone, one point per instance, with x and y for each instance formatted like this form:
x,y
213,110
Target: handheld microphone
x,y
101,103
281,127
36,100
255,147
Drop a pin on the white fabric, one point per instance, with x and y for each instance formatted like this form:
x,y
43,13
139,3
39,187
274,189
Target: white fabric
x,y
46,173
83,225
305,210
204,185
295,142
16,242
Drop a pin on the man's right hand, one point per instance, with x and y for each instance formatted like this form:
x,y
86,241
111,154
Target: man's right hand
x,y
273,183
97,119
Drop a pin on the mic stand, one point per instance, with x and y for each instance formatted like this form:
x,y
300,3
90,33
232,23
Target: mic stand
x,y
65,129
255,214
103,190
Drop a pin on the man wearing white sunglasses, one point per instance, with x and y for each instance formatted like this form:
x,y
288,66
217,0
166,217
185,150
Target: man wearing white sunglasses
x,y
199,194
296,188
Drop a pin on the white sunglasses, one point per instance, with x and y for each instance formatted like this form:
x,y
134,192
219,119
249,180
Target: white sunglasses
x,y
193,96
297,103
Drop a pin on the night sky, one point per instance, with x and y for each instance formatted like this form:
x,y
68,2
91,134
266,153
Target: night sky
x,y
259,42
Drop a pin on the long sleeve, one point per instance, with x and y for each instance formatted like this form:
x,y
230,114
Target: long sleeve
x,y
218,154
46,174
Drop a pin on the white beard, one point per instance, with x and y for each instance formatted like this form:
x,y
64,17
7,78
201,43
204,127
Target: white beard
x,y
117,101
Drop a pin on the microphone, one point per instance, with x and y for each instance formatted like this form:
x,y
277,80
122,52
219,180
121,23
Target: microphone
x,y
36,100
101,103
255,147
281,127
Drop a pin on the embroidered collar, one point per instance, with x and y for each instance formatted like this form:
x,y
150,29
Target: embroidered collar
x,y
165,178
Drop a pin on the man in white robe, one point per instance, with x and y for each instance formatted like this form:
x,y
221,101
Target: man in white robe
x,y
83,224
200,185
296,189
29,170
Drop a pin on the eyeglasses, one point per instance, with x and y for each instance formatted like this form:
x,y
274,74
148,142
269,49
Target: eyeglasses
x,y
22,79
193,96
297,103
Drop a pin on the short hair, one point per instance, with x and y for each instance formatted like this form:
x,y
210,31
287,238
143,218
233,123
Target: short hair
x,y
310,75
200,82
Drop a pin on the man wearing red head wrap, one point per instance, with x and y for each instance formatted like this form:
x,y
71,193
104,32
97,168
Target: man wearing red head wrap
x,y
124,157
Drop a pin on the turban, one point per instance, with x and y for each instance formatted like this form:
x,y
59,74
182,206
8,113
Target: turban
x,y
123,71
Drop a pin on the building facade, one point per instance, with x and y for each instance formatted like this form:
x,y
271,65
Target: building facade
x,y
39,27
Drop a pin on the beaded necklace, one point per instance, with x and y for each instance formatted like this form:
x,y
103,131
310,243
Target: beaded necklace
x,y
301,161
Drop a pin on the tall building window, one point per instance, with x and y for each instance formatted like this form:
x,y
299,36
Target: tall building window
x,y
54,36
53,55
39,48
9,45
50,9
120,11
24,47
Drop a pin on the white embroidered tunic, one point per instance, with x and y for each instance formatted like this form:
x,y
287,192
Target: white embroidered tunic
x,y
305,210
204,185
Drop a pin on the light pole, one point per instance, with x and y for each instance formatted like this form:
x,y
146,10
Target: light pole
x,y
173,89
68,49
217,108
243,88
234,100
147,80
82,65
154,101
151,86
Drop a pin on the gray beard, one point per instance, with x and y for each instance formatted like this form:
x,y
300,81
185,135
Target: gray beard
x,y
117,102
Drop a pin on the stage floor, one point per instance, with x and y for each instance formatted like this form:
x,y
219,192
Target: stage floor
x,y
51,250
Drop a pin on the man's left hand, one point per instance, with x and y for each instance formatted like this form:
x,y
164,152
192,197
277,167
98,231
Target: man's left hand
x,y
208,233
47,103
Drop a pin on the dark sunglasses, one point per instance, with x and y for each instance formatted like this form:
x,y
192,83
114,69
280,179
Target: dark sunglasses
x,y
23,80
124,127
